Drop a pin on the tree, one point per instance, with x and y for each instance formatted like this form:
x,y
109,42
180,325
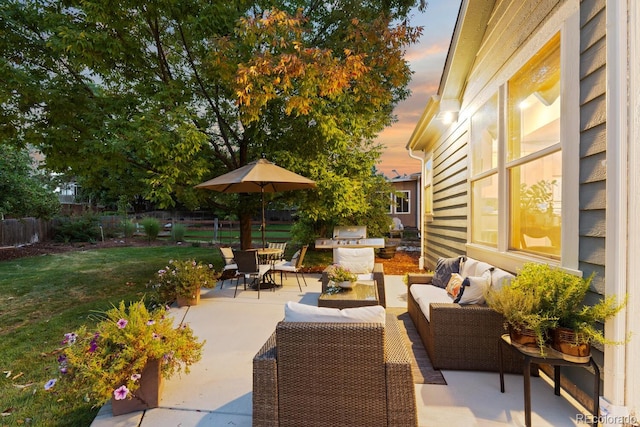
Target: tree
x,y
23,191
152,98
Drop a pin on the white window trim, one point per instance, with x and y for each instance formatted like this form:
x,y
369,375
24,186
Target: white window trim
x,y
566,21
408,199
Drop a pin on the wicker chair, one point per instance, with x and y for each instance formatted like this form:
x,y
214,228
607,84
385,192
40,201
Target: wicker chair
x,y
334,374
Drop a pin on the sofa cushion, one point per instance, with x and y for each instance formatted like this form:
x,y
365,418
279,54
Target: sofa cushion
x,y
474,288
453,287
426,294
500,278
444,268
297,312
356,260
473,267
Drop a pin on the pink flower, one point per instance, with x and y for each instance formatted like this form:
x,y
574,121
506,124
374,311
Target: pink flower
x,y
136,377
122,323
121,393
150,322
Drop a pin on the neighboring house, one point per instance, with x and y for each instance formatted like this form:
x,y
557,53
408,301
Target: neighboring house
x,y
405,201
530,153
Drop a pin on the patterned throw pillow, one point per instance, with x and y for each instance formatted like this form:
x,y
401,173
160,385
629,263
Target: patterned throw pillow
x,y
453,287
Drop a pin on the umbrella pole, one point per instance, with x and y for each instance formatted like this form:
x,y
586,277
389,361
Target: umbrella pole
x,y
264,245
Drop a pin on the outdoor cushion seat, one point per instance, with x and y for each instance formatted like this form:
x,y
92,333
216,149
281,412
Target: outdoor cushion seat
x,y
316,374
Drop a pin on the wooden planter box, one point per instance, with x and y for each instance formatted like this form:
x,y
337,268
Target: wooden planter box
x,y
148,394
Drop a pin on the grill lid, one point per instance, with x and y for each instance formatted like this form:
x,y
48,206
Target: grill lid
x,y
350,232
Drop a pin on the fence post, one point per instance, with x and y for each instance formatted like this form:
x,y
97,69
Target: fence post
x,y
215,230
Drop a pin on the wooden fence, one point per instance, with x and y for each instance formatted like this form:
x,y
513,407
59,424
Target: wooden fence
x,y
15,232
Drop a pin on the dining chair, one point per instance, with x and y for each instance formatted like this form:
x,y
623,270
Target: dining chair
x,y
293,266
230,267
249,268
278,245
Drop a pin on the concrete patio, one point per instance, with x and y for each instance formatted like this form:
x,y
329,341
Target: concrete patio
x,y
218,390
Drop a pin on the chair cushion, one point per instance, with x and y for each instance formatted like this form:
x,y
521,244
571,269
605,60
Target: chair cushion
x,y
356,260
297,312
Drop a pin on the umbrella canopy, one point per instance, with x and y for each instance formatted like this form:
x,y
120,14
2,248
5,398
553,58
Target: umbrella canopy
x,y
256,177
260,176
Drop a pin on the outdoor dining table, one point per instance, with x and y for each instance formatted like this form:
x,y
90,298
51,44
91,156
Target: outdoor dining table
x,y
269,256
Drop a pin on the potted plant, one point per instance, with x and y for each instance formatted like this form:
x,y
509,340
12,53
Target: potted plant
x,y
341,276
577,322
126,356
182,280
521,309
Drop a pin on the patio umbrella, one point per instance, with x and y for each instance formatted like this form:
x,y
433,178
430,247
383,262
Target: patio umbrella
x,y
261,176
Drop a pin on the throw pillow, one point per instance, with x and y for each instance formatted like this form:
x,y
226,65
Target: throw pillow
x,y
474,288
453,287
297,312
444,268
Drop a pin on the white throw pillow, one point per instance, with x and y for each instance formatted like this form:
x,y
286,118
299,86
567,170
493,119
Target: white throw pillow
x,y
297,312
473,267
475,289
500,278
356,260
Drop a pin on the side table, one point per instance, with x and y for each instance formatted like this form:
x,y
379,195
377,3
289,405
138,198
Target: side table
x,y
555,359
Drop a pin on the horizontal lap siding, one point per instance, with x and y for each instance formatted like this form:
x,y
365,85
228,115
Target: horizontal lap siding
x,y
446,235
593,172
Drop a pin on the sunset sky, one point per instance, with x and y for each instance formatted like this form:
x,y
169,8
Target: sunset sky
x,y
427,61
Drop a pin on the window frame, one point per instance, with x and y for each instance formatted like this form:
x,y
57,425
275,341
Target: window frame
x,y
568,27
397,199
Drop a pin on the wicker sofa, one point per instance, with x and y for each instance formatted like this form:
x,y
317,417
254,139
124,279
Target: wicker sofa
x,y
457,336
334,374
362,262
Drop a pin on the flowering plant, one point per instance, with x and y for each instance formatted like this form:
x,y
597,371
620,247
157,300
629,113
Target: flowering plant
x,y
338,273
108,362
182,278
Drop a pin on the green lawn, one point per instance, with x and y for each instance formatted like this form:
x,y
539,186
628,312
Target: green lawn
x,y
42,298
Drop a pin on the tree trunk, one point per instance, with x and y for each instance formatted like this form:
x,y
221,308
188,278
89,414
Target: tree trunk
x,y
245,231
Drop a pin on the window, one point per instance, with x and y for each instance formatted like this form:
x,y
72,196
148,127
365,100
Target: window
x,y
527,180
403,201
484,170
428,186
534,159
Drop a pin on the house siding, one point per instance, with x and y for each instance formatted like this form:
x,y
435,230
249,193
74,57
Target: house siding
x,y
511,24
446,235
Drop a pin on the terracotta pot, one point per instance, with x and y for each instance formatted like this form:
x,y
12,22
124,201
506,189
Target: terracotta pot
x,y
564,340
147,396
525,337
185,301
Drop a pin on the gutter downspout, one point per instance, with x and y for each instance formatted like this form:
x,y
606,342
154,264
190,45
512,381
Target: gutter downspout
x,y
420,216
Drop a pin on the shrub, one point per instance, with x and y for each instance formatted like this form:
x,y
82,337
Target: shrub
x,y
128,228
78,229
151,227
177,232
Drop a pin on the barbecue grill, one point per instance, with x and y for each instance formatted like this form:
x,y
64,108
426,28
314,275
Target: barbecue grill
x,y
352,236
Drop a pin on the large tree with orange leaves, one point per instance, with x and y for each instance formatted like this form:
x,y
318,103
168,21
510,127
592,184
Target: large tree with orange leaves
x,y
150,98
